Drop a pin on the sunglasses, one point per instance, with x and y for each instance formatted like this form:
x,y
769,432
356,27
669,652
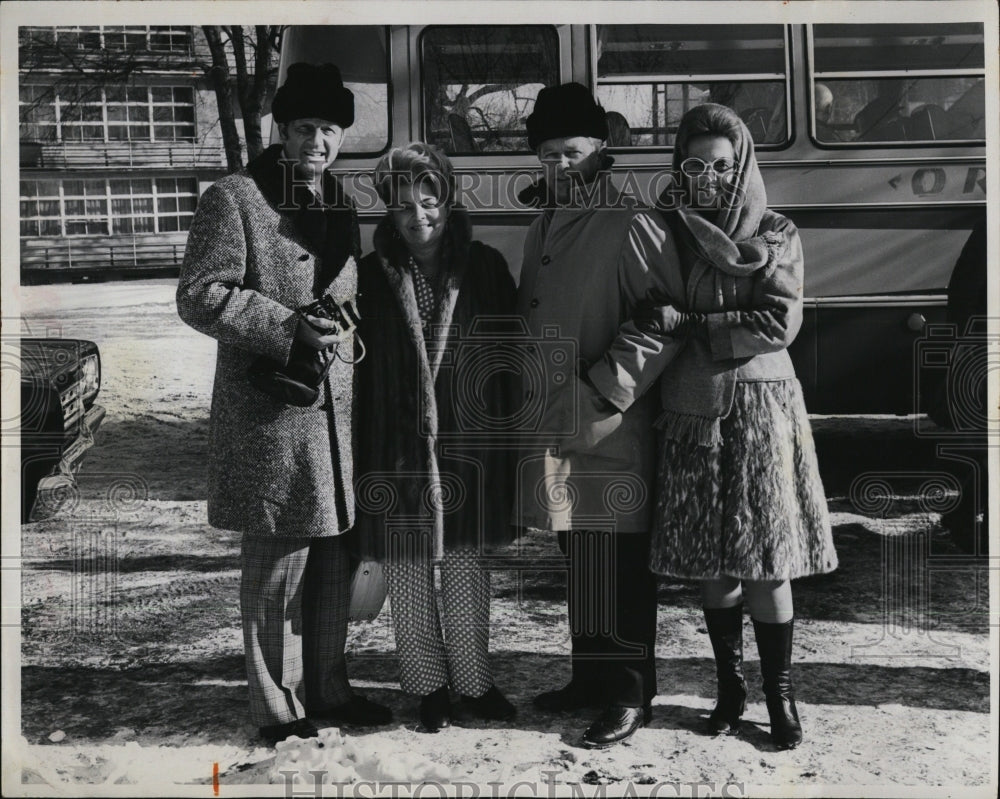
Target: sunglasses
x,y
695,167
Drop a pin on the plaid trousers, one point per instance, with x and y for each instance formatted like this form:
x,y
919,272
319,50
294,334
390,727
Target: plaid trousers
x,y
294,599
429,660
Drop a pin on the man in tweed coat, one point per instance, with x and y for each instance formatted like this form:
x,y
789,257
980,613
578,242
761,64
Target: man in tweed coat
x,y
263,243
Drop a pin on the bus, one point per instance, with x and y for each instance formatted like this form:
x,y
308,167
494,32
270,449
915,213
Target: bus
x,y
870,137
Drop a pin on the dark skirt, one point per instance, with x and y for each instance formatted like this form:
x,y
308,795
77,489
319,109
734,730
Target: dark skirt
x,y
751,508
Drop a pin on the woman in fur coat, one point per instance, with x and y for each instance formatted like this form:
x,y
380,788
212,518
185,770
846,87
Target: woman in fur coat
x,y
432,481
741,506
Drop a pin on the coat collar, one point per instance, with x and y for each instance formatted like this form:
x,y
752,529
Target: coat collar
x,y
329,229
274,177
394,258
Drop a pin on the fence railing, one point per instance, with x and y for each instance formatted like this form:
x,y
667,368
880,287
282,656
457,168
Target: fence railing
x,y
66,155
79,257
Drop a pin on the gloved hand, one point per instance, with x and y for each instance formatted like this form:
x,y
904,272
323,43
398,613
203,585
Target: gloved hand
x,y
666,319
581,408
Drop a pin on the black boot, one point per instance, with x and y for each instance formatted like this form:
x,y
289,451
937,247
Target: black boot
x,y
435,709
774,643
725,630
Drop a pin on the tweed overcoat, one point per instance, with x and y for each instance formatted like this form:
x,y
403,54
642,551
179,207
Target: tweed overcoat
x,y
585,272
273,469
433,460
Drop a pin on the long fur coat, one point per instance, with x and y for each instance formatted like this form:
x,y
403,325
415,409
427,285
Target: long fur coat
x,y
433,464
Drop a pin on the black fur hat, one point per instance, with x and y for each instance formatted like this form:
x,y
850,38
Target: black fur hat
x,y
566,110
314,90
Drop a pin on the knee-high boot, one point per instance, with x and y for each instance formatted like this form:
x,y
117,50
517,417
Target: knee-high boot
x,y
774,643
725,631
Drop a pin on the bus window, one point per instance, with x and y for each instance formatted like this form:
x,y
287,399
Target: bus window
x,y
480,83
360,53
898,83
649,75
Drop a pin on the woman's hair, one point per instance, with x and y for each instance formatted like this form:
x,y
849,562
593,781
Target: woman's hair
x,y
415,164
708,120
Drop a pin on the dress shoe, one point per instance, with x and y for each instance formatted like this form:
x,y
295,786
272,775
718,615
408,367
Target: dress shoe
x,y
571,696
358,710
617,723
492,706
303,728
435,710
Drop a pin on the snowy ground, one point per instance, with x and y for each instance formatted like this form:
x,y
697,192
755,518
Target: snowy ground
x,y
132,671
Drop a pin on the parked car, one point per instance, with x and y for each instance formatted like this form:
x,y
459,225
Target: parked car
x,y
60,381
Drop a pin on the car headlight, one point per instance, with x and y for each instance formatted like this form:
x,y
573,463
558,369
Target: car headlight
x,y
90,375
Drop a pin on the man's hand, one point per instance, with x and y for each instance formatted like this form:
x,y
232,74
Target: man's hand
x,y
308,334
592,416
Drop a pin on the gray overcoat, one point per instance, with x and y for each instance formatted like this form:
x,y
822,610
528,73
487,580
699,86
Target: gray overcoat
x,y
273,469
585,272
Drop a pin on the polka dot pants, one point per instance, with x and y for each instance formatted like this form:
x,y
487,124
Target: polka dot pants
x,y
429,660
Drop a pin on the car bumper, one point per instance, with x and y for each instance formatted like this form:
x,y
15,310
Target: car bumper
x,y
55,489
71,458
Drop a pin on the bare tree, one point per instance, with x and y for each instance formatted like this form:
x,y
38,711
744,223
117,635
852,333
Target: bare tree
x,y
248,88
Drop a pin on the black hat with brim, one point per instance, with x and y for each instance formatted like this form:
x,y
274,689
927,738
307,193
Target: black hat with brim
x,y
566,110
314,91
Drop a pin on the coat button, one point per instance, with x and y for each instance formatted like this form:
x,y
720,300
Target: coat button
x,y
534,302
304,256
546,260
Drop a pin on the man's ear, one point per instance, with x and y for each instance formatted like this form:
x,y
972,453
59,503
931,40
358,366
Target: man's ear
x,y
283,131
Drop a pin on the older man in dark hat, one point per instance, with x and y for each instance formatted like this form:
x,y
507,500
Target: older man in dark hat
x,y
264,243
590,259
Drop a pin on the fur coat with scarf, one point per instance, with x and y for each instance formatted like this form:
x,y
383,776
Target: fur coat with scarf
x,y
433,466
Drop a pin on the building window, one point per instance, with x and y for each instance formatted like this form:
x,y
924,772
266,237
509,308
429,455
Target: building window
x,y
480,82
119,38
101,207
648,76
108,114
898,83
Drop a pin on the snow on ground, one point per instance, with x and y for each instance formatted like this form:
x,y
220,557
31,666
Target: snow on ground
x,y
131,655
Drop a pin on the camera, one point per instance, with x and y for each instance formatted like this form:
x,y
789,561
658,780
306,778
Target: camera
x,y
343,312
501,377
297,382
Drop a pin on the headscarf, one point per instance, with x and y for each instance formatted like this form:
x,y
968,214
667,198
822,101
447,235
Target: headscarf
x,y
731,243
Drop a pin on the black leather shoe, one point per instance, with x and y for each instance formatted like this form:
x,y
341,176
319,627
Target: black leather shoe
x,y
358,710
303,728
435,710
492,706
571,696
617,723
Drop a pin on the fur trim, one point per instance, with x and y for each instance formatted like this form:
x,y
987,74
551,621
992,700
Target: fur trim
x,y
393,257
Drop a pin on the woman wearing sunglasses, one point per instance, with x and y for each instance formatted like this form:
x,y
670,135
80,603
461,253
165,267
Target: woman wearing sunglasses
x,y
741,506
